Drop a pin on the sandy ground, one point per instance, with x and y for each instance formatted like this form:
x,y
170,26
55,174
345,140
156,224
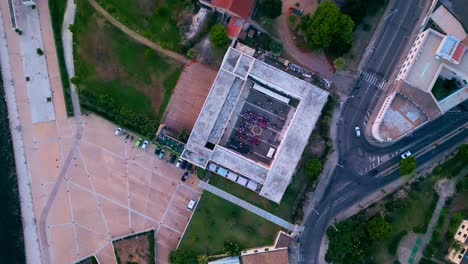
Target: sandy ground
x,y
110,190
189,96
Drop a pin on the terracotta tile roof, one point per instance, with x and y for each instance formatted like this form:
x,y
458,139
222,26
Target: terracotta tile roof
x,y
277,257
222,3
459,52
242,8
282,240
235,26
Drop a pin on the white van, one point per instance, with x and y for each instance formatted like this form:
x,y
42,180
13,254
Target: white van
x,y
191,205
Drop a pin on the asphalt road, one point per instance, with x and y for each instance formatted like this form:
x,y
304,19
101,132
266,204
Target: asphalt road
x,y
364,167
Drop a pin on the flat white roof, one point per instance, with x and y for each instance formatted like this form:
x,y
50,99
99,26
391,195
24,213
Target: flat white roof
x,y
232,76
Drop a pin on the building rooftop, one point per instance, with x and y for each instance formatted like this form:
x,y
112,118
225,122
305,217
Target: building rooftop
x,y
279,256
255,123
428,67
242,8
235,26
448,22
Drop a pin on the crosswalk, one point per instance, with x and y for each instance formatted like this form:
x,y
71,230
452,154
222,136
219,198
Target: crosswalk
x,y
371,79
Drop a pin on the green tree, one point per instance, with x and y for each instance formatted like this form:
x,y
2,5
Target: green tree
x,y
269,8
328,29
232,248
192,54
378,228
218,36
181,256
407,166
39,51
313,168
356,9
339,63
349,244
202,259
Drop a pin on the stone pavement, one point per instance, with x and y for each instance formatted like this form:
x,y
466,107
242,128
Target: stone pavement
x,y
247,206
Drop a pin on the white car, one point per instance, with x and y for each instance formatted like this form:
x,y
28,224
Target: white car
x,y
118,131
179,161
145,145
358,131
406,154
191,205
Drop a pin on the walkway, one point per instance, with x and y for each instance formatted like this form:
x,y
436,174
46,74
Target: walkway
x,y
445,189
135,35
247,206
313,60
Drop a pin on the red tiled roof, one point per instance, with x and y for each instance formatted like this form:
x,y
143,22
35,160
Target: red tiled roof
x,y
222,3
459,52
235,26
277,256
242,8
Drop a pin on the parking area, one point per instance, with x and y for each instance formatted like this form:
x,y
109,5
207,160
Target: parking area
x,y
189,95
114,189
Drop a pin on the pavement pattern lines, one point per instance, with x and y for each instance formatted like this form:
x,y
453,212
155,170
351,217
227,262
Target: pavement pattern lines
x,y
112,190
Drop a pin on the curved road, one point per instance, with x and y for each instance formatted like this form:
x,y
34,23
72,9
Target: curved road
x,y
363,167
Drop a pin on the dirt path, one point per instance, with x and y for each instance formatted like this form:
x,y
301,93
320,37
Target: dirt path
x,y
315,61
135,35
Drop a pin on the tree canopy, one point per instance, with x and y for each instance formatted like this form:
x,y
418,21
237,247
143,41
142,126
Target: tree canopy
x,y
269,8
313,168
378,228
232,248
349,244
328,29
182,257
218,36
407,166
339,63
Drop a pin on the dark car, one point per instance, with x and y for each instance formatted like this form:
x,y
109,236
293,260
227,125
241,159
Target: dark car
x,y
184,164
185,176
190,167
173,158
157,151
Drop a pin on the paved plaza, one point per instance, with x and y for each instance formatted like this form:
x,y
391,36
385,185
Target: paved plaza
x,y
110,189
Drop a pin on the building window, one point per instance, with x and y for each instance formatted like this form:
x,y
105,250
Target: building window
x,y
459,233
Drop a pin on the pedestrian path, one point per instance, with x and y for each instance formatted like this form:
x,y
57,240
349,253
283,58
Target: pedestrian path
x,y
247,206
369,78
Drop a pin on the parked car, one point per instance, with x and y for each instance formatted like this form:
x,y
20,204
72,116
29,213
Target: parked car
x,y
138,142
191,205
190,167
179,162
298,12
173,158
144,146
118,131
161,154
358,131
185,176
406,154
157,151
184,164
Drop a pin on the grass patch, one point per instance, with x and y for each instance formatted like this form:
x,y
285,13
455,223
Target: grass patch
x,y
118,78
216,221
443,88
11,242
57,11
160,21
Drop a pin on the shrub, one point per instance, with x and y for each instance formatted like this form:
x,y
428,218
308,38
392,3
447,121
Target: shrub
x,y
39,51
313,168
218,36
407,166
